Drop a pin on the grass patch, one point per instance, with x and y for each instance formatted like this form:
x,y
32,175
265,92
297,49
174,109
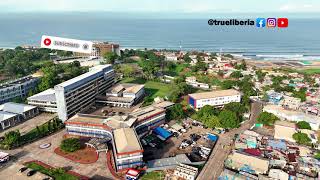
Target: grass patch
x,y
153,88
57,175
155,175
310,71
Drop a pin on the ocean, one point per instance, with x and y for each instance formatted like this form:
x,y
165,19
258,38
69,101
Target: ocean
x,y
300,41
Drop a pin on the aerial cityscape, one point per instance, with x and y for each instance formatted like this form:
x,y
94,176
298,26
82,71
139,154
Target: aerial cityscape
x,y
77,106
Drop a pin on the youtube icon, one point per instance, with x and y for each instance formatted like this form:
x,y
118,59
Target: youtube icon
x,y
283,22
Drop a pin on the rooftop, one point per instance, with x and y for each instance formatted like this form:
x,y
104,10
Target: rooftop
x,y
134,88
214,94
126,140
239,160
16,108
47,95
93,72
146,112
87,119
6,115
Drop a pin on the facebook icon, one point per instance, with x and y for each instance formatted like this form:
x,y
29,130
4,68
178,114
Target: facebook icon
x,y
261,22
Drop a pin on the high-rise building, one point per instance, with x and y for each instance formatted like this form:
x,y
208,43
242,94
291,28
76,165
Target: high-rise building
x,y
79,93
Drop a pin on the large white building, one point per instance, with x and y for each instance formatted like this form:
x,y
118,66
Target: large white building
x,y
79,93
214,98
128,152
45,101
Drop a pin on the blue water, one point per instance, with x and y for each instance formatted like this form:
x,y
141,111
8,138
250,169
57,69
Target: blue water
x,y
300,38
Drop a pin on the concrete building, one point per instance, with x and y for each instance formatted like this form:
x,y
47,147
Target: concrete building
x,y
192,81
100,48
88,126
12,114
284,130
295,116
128,152
25,111
79,93
45,101
8,119
214,98
289,102
186,172
122,95
247,163
147,118
18,88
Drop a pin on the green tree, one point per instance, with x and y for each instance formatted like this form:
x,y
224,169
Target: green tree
x,y
228,119
49,126
187,58
11,138
110,57
211,121
237,108
175,112
70,144
301,94
127,70
236,74
317,155
301,138
38,131
260,75
303,125
267,118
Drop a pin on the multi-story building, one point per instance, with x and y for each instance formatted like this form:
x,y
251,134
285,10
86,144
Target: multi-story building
x,y
88,126
18,88
45,101
214,98
100,48
12,114
186,172
122,95
79,93
127,150
289,102
147,118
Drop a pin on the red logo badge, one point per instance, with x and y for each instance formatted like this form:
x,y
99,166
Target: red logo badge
x,y
47,42
283,22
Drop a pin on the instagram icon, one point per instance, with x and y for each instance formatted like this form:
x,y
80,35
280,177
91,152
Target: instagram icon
x,y
271,22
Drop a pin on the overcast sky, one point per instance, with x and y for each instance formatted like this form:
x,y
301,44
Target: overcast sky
x,y
172,6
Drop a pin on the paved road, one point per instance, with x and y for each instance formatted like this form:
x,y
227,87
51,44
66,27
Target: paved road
x,y
214,166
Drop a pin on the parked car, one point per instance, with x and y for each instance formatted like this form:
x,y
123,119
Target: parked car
x,y
32,172
23,169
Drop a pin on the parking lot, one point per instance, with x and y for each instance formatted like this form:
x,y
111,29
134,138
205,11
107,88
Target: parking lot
x,y
171,146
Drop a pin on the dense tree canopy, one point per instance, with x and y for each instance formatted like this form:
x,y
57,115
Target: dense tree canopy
x,y
267,118
228,119
175,112
303,125
70,144
301,138
110,57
